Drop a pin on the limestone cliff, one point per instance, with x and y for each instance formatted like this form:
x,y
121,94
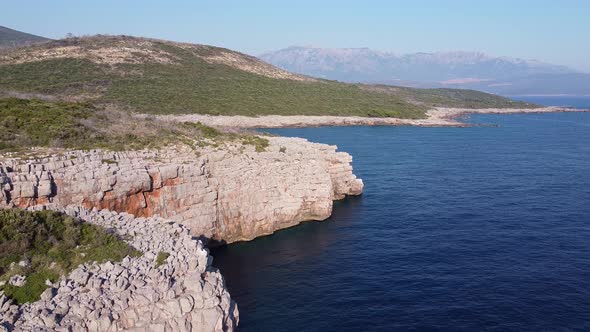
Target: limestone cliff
x,y
227,194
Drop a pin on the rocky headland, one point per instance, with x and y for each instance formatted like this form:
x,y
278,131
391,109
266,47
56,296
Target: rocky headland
x,y
168,200
225,194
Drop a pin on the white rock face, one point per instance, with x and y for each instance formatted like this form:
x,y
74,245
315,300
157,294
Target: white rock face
x,y
184,294
158,200
226,194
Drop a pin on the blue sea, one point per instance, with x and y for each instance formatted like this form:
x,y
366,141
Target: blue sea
x,y
459,229
565,101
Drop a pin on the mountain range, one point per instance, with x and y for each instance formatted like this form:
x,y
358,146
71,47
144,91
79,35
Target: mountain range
x,y
471,70
13,38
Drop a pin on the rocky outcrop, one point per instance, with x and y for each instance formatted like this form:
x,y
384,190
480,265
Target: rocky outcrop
x,y
184,293
225,194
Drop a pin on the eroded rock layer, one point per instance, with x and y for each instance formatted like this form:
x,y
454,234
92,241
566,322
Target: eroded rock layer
x,y
226,194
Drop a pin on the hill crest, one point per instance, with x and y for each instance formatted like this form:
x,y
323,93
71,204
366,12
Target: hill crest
x,y
121,49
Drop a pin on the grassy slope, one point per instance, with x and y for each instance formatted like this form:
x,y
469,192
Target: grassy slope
x,y
28,123
460,98
193,85
53,244
36,123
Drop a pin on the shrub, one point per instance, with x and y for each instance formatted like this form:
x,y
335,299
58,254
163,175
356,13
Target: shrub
x,y
260,144
54,244
28,123
161,259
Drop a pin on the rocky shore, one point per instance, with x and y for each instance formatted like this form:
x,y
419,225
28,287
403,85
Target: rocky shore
x,y
170,201
439,117
184,293
166,201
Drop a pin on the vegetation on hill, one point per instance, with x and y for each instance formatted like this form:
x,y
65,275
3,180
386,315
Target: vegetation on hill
x,y
14,38
45,245
459,98
151,76
28,123
161,258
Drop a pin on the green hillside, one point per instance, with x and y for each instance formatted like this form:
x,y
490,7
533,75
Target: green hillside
x,y
26,123
14,38
159,77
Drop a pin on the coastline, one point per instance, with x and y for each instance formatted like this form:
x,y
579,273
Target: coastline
x,y
413,176
224,194
439,117
175,200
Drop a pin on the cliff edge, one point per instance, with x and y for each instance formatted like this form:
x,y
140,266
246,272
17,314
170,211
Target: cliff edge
x,y
225,194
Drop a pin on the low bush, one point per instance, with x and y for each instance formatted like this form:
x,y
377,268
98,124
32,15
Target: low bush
x,y
161,258
50,244
26,123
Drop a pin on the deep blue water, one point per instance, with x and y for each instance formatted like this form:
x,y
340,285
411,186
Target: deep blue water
x,y
463,229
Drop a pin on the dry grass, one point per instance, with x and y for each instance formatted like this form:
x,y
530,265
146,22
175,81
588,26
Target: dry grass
x,y
255,66
120,50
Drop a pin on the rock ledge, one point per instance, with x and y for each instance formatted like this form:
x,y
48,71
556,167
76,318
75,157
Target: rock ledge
x,y
184,294
227,194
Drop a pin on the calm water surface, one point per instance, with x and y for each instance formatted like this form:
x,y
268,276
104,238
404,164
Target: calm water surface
x,y
464,229
569,101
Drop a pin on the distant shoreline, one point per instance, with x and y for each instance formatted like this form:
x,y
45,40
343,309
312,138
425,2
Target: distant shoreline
x,y
439,117
550,95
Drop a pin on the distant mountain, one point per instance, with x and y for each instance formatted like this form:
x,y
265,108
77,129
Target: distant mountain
x,y
447,69
13,38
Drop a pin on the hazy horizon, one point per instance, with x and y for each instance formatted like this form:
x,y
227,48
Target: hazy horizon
x,y
541,30
390,52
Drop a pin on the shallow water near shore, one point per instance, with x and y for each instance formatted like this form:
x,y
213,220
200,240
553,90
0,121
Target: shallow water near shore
x,y
458,229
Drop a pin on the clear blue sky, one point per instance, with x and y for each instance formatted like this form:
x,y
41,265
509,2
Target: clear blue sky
x,y
554,31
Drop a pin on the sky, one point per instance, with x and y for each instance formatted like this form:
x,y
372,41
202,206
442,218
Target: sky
x,y
552,31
